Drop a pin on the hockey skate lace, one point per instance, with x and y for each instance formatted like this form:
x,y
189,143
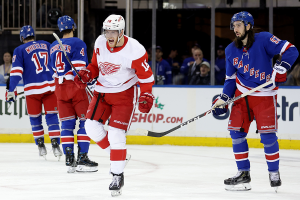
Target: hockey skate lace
x,y
237,174
274,176
116,180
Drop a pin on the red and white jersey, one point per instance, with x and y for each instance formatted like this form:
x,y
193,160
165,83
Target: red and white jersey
x,y
120,68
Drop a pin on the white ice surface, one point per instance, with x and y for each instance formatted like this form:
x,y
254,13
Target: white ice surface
x,y
154,173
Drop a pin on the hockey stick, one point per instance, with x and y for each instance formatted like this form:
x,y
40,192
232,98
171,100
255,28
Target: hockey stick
x,y
155,134
63,49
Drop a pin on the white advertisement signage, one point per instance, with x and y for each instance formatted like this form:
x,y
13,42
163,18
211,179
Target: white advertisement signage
x,y
173,106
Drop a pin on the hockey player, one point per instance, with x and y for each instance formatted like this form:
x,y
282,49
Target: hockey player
x,y
120,62
30,61
248,65
72,101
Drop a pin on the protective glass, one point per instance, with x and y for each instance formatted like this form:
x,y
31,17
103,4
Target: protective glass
x,y
111,33
236,24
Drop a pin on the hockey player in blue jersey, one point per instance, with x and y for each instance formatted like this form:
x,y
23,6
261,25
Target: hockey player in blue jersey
x,y
248,65
30,61
72,101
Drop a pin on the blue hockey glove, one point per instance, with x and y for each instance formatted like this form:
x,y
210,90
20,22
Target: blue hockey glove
x,y
216,105
10,96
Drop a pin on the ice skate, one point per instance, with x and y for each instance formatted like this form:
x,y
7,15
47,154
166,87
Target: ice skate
x,y
55,148
275,180
84,164
240,182
70,160
42,148
116,184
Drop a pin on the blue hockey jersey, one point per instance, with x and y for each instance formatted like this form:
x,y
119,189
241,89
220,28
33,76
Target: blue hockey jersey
x,y
249,68
76,51
163,72
30,61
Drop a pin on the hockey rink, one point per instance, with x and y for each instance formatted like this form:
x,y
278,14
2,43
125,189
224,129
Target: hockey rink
x,y
153,173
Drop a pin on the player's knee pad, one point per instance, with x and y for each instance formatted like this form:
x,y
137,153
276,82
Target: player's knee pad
x,y
68,124
268,139
116,138
51,119
237,134
94,130
36,121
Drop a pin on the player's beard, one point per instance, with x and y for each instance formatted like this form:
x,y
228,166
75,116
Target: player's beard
x,y
243,36
114,43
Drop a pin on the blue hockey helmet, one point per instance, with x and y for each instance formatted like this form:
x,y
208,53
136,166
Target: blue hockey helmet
x,y
26,31
244,16
65,22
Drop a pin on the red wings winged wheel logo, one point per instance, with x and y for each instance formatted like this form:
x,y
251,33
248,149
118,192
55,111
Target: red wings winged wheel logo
x,y
107,68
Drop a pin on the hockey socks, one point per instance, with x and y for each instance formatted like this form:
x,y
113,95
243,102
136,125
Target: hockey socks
x,y
241,150
271,148
82,139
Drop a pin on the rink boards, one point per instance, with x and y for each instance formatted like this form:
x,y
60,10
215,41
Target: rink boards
x,y
173,105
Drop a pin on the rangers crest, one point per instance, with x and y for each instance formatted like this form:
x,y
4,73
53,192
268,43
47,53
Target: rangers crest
x,y
107,68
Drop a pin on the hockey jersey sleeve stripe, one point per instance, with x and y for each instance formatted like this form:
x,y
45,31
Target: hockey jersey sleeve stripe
x,y
285,47
74,62
93,66
231,77
26,88
147,80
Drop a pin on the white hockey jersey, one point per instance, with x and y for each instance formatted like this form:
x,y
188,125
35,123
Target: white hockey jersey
x,y
120,68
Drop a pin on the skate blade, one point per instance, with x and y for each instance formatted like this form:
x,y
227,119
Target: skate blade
x,y
83,168
128,157
239,187
115,193
44,156
276,189
71,169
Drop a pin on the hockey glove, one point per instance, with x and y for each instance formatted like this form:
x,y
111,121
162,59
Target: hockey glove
x,y
11,96
279,73
216,105
86,77
146,102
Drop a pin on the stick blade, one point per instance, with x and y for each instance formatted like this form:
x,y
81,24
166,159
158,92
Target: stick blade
x,y
141,131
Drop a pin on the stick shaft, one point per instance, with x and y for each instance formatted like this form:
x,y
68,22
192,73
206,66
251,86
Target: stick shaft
x,y
63,49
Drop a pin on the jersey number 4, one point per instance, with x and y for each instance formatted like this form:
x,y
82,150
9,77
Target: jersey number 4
x,y
59,64
35,59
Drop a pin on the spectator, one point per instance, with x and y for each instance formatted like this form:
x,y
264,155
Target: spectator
x,y
220,65
175,65
203,77
163,69
294,77
5,67
187,63
194,68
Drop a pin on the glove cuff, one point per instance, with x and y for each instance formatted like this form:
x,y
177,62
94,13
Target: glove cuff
x,y
224,97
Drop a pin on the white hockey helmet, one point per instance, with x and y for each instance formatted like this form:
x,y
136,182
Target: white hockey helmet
x,y
114,22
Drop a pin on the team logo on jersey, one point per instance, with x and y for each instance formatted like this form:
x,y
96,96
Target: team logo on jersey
x,y
107,68
14,58
235,61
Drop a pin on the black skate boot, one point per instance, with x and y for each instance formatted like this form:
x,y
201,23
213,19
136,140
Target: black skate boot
x,y
116,184
55,148
242,177
84,164
275,180
42,148
70,160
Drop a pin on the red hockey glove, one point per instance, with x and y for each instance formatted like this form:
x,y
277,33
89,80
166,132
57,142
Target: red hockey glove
x,y
146,102
85,75
216,105
279,74
11,96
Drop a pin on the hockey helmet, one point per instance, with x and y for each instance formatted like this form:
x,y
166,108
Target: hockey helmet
x,y
65,22
244,16
26,31
114,22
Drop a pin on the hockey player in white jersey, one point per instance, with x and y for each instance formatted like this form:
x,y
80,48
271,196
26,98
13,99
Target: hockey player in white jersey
x,y
248,65
120,62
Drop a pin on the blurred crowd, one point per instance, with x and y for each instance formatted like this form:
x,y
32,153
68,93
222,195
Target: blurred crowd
x,y
194,69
